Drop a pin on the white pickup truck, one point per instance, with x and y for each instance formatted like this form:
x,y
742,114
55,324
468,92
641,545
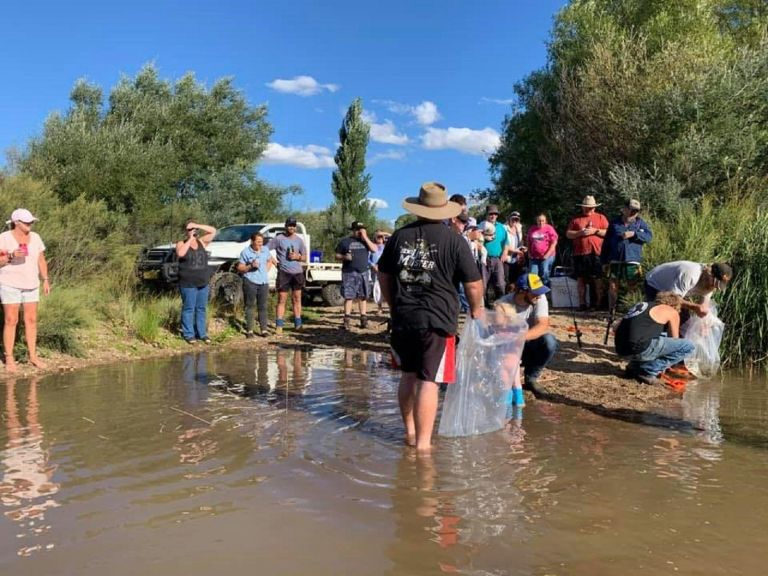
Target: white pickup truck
x,y
155,265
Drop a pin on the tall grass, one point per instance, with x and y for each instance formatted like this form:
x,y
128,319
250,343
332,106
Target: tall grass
x,y
61,315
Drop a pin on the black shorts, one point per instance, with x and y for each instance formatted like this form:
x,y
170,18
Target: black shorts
x,y
287,282
431,356
587,266
354,285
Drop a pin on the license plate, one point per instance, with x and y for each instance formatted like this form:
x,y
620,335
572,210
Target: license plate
x,y
150,274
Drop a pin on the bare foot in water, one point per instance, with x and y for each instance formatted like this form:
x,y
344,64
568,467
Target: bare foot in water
x,y
410,440
10,366
37,363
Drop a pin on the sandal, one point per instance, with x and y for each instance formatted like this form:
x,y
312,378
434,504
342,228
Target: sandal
x,y
675,384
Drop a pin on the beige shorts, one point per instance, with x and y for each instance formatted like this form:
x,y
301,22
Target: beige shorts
x,y
11,295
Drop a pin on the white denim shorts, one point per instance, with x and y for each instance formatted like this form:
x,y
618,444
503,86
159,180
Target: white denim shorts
x,y
11,295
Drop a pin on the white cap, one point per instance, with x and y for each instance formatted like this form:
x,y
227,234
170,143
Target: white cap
x,y
21,215
489,229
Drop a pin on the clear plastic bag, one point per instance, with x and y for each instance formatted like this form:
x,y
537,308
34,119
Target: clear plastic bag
x,y
488,360
706,334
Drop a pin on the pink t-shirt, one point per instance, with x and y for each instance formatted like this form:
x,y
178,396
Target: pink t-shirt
x,y
540,238
21,275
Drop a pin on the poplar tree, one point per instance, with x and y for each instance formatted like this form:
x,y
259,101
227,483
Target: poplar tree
x,y
350,184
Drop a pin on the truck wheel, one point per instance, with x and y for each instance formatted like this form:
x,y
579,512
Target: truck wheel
x,y
226,289
332,295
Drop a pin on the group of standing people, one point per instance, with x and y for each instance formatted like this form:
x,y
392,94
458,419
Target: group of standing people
x,y
254,264
602,250
22,269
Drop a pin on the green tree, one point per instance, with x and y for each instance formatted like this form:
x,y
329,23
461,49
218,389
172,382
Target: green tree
x,y
155,143
350,184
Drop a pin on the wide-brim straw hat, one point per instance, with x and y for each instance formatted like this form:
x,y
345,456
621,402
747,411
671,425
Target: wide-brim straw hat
x,y
432,203
589,202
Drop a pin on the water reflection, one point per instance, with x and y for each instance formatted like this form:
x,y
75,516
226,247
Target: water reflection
x,y
311,440
427,525
27,486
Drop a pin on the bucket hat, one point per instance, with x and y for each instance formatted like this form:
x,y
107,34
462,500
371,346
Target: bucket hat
x,y
589,202
432,203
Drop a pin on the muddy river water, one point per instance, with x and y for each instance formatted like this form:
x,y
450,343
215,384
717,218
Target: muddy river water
x,y
290,462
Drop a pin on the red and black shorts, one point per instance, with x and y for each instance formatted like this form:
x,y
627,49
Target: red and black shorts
x,y
431,356
287,282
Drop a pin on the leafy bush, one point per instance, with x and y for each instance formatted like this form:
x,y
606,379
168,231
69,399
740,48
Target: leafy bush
x,y
60,316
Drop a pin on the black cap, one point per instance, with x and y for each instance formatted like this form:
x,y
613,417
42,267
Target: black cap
x,y
463,217
290,221
722,271
356,225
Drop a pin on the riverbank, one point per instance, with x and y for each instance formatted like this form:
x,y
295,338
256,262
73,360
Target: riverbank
x,y
589,377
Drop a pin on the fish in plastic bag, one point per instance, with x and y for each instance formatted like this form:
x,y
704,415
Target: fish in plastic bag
x,y
488,364
705,334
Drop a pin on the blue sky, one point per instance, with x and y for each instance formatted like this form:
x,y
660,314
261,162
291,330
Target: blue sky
x,y
435,77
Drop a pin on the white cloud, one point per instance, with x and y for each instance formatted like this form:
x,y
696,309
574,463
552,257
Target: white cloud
x,y
387,155
384,132
301,86
426,113
504,101
378,203
464,140
300,156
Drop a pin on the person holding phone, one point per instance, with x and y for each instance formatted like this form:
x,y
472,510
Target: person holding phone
x,y
255,264
194,275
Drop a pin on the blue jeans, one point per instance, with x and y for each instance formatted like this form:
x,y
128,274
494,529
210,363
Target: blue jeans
x,y
542,267
194,302
661,353
463,302
537,354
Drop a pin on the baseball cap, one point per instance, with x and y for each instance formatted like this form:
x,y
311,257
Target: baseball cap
x,y
531,283
633,204
356,225
290,221
489,229
463,217
22,215
515,214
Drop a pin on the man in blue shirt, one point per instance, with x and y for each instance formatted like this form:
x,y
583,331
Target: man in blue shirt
x,y
495,234
622,248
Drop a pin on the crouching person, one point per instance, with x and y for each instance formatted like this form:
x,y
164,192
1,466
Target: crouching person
x,y
540,343
648,337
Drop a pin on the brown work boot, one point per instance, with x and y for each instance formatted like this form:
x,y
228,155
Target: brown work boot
x,y
363,321
347,322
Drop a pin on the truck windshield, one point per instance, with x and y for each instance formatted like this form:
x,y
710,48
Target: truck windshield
x,y
241,233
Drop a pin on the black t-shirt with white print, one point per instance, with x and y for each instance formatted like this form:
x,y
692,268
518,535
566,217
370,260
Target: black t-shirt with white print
x,y
427,260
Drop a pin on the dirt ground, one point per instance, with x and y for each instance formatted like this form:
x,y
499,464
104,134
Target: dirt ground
x,y
589,377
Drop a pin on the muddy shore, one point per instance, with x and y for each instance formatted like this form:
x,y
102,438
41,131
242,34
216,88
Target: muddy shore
x,y
589,377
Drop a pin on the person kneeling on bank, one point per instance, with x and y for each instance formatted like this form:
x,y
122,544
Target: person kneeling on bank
x,y
648,337
540,343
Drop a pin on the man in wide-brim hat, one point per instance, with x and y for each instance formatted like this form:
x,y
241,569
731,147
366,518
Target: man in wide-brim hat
x,y
416,274
586,231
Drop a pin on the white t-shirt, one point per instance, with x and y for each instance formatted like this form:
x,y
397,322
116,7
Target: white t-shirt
x,y
532,313
23,275
678,277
